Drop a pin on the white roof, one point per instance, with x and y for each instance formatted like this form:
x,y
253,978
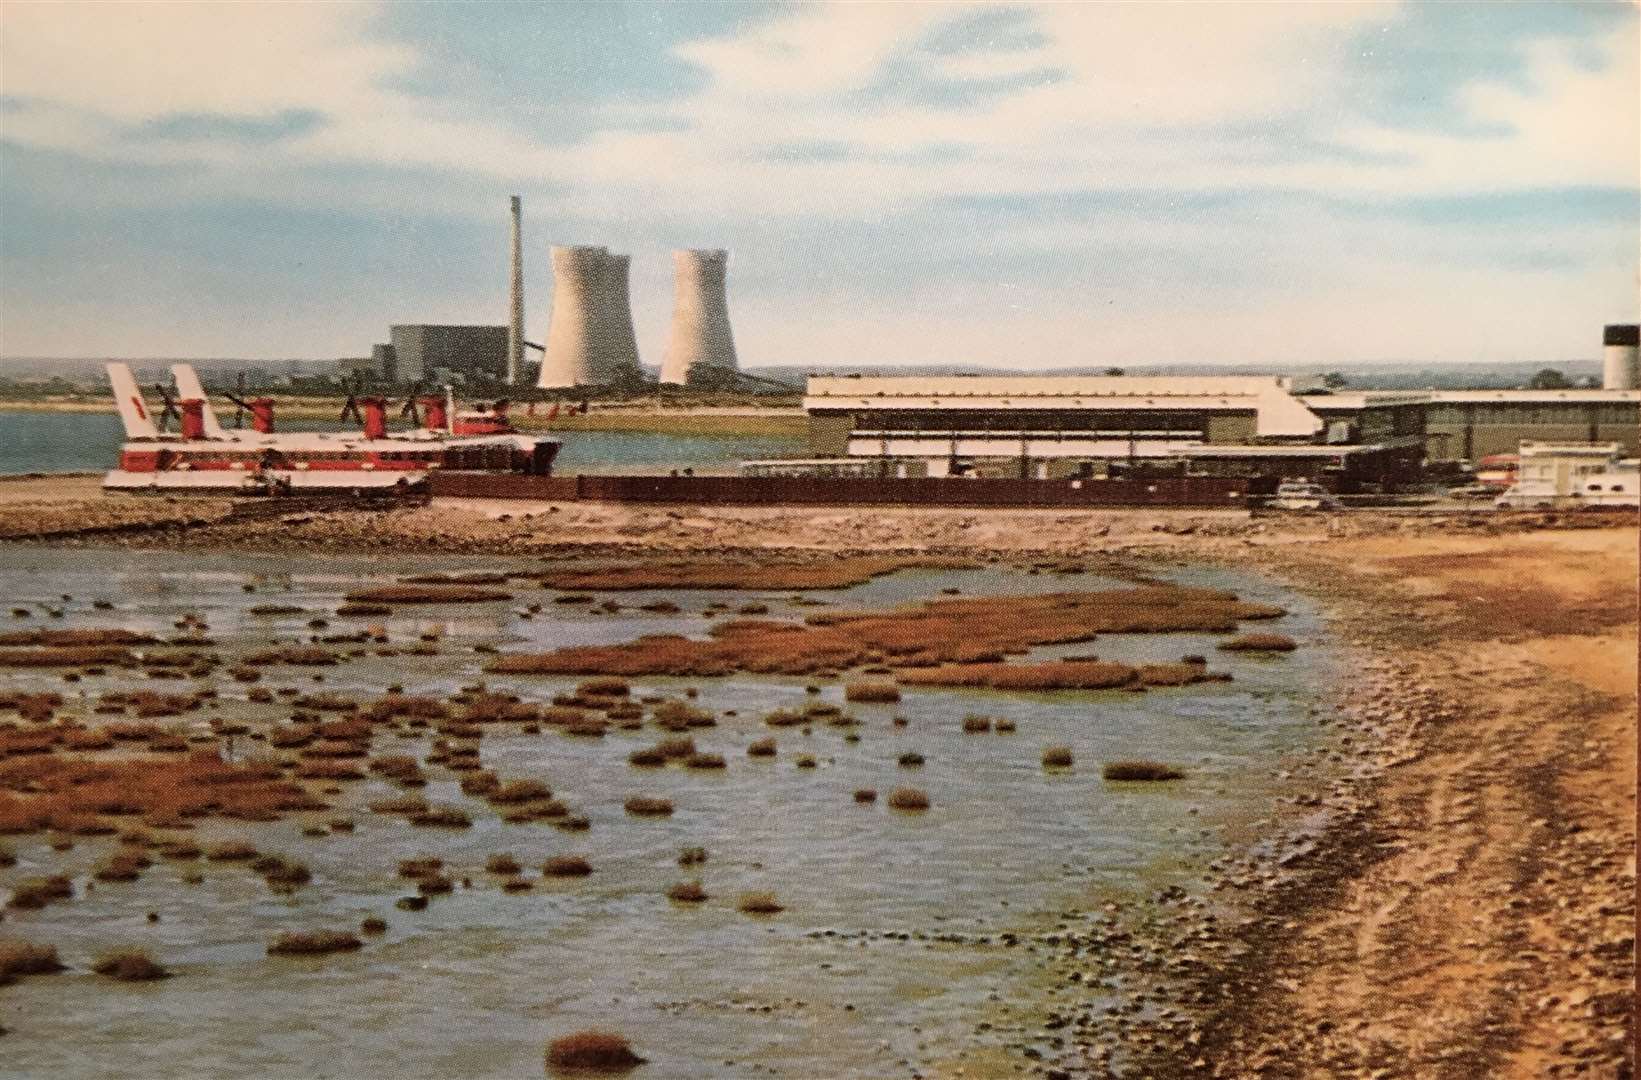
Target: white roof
x,y
1591,396
1278,413
1571,449
1278,451
1361,399
1041,386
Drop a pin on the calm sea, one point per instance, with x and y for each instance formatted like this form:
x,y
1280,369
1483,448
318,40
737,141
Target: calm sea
x,y
892,958
33,442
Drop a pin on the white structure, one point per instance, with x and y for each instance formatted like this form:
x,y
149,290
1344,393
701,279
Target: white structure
x,y
590,339
700,343
189,387
515,311
567,360
128,401
1620,363
616,356
1041,417
1069,427
1574,474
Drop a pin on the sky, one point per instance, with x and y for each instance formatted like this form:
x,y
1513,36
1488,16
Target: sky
x,y
1002,184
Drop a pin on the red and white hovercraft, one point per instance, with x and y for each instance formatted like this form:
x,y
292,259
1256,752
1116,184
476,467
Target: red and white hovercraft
x,y
203,457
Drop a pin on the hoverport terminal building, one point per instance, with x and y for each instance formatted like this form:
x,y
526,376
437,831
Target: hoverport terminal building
x,y
1263,428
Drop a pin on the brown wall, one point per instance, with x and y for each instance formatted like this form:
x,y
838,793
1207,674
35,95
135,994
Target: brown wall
x,y
1457,431
829,434
789,491
1446,442
1233,428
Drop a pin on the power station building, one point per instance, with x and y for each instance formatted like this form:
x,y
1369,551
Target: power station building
x,y
420,350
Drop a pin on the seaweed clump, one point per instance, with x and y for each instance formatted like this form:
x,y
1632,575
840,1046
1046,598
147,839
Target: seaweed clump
x,y
687,892
909,798
26,958
314,942
871,691
1261,642
648,806
1140,770
130,965
593,1049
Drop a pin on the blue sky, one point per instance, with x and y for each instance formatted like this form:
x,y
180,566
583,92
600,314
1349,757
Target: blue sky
x,y
1035,185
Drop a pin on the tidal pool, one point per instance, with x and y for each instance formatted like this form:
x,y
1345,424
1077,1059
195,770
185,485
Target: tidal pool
x,y
891,946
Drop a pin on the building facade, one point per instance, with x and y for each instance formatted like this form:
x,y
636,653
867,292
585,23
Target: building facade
x,y
1467,425
1071,427
422,349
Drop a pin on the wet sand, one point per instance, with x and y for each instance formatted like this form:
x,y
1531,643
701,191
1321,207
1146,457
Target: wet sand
x,y
1467,905
1480,918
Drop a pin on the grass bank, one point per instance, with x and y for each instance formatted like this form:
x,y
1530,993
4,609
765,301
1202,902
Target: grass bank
x,y
649,418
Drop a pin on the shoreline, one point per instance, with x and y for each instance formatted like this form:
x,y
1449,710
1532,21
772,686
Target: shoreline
x,y
1442,918
723,421
1415,936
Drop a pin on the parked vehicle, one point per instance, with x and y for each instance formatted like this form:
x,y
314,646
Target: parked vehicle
x,y
1572,475
1302,495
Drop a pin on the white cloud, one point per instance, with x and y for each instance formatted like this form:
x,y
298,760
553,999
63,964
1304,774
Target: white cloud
x,y
1570,124
1154,97
1147,95
810,53
88,76
137,61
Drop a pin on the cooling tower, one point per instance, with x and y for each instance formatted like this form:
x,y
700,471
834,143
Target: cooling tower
x,y
590,341
701,345
572,334
615,352
1620,363
515,311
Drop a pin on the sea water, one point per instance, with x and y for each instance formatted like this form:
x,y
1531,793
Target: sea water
x,y
852,979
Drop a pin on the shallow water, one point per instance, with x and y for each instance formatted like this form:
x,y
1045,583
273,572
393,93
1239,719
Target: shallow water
x,y
46,442
475,985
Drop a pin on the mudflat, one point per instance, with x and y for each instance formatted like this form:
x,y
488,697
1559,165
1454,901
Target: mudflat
x,y
1473,915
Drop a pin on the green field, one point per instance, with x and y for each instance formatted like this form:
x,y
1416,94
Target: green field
x,y
775,416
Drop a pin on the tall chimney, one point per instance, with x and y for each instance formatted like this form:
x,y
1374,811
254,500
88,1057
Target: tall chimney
x,y
700,344
1620,362
572,333
615,358
515,313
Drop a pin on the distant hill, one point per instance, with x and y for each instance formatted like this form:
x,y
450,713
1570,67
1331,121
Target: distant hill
x,y
1382,375
149,368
